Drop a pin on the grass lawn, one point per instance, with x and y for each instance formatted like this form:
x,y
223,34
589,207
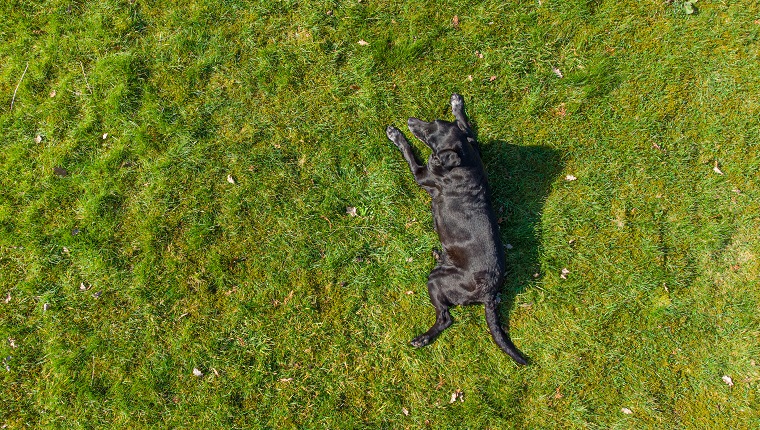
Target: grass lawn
x,y
176,249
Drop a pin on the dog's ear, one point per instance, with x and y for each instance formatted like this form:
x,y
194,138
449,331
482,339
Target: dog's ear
x,y
450,159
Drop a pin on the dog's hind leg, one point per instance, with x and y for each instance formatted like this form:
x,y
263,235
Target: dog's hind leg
x,y
442,316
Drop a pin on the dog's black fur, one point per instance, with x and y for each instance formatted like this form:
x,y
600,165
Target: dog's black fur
x,y
471,265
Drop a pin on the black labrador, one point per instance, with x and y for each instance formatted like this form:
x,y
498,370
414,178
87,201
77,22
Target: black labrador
x,y
471,265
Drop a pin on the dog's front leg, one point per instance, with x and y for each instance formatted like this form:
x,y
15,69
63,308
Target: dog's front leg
x,y
420,173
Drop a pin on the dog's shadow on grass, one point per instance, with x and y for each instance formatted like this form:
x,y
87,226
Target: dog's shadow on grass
x,y
520,178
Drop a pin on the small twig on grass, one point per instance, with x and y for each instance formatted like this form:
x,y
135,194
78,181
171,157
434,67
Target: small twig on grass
x,y
85,78
13,100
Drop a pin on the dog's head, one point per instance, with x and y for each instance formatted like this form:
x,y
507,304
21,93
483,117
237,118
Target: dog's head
x,y
449,143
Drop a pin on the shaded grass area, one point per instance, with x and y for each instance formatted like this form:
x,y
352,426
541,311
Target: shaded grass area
x,y
144,262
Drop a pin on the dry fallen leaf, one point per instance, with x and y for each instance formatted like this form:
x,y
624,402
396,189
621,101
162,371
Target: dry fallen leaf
x,y
60,171
627,411
363,42
570,178
12,342
564,273
455,21
409,260
351,210
8,298
727,379
405,411
409,293
38,139
469,78
230,179
458,394
286,379
716,169
561,110
478,54
440,383
557,72
557,394
492,78
52,94
197,372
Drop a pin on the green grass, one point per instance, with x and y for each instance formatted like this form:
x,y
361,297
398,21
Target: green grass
x,y
297,314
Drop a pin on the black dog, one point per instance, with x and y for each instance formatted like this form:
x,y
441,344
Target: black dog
x,y
471,266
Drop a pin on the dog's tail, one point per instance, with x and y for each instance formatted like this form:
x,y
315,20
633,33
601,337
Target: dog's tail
x,y
498,334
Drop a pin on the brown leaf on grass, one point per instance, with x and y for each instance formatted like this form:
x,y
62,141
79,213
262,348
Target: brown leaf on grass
x,y
52,94
363,42
492,78
626,411
560,111
557,394
405,411
455,21
354,87
478,54
286,299
469,78
60,171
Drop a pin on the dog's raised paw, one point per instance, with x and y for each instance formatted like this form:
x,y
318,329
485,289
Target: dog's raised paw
x,y
457,102
392,133
395,136
420,341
